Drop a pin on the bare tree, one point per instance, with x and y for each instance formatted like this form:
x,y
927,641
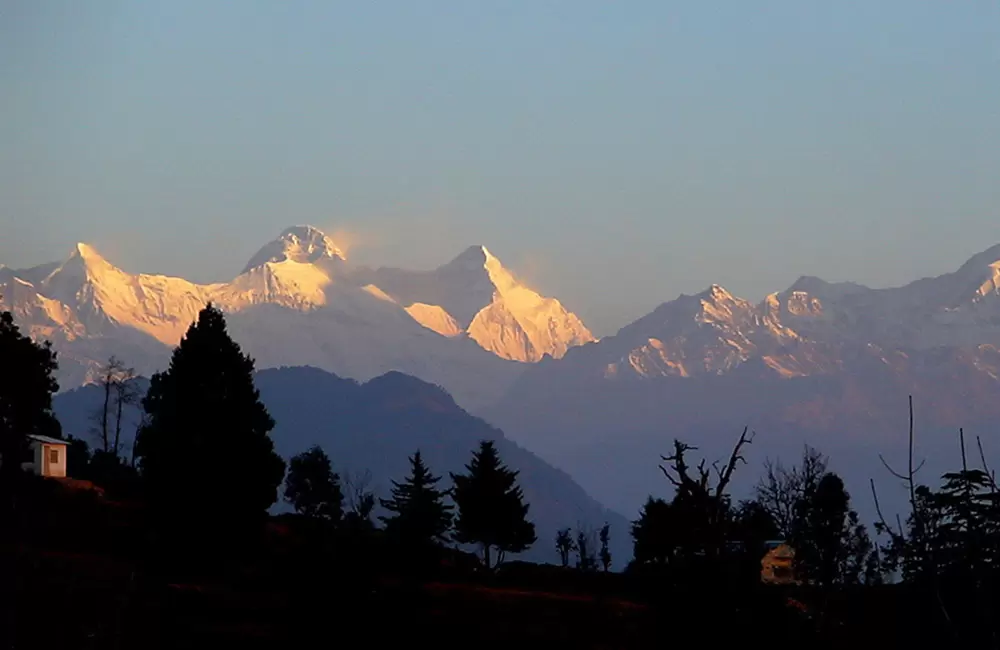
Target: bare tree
x,y
708,505
782,488
678,472
117,382
107,380
918,536
359,498
565,544
126,394
586,542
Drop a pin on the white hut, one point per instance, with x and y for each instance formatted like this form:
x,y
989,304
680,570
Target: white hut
x,y
48,456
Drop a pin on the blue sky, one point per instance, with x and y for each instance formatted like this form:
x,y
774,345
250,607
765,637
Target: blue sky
x,y
614,154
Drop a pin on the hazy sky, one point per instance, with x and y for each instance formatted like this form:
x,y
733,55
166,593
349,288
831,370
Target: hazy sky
x,y
614,154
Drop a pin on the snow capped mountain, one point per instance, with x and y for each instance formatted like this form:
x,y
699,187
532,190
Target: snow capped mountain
x,y
831,365
474,294
301,244
299,302
812,328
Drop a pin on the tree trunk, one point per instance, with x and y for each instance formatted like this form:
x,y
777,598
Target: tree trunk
x,y
118,422
104,413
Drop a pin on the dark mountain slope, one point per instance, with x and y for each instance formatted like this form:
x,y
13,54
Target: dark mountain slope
x,y
374,426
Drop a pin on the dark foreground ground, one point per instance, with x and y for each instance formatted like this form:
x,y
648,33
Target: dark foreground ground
x,y
60,599
77,573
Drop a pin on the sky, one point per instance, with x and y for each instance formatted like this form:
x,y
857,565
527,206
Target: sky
x,y
614,155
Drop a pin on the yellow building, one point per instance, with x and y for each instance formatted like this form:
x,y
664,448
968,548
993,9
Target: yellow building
x,y
776,566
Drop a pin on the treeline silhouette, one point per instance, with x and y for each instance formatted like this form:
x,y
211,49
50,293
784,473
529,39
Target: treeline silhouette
x,y
172,544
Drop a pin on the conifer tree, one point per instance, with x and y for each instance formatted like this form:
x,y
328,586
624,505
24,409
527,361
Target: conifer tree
x,y
491,508
26,388
313,488
205,456
420,517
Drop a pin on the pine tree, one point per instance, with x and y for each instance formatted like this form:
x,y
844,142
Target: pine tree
x,y
206,460
313,488
420,515
491,508
26,388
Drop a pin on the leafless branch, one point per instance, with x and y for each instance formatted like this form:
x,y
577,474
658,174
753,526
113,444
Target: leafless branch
x,y
734,458
986,468
878,510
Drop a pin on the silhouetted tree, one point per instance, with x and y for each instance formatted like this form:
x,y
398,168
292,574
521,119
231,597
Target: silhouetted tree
x,y
605,552
420,516
966,544
781,488
106,466
954,531
565,544
207,462
692,533
126,394
313,488
702,512
360,501
26,388
491,507
107,378
654,534
585,558
831,546
78,457
753,526
751,529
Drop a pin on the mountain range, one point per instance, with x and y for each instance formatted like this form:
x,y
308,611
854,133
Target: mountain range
x,y
830,364
298,301
826,364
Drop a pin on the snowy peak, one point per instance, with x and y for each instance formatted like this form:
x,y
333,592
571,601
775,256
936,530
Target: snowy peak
x,y
813,327
979,278
84,259
507,318
299,302
301,244
70,281
472,258
474,294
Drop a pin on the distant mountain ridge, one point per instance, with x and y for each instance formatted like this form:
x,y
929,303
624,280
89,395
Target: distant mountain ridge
x,y
299,301
830,364
376,425
804,330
